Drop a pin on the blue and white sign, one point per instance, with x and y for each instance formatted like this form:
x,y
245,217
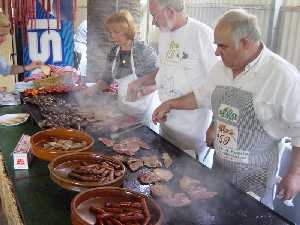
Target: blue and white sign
x,y
47,42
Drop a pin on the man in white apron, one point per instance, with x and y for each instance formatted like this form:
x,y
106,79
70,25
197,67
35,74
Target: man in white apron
x,y
251,92
186,53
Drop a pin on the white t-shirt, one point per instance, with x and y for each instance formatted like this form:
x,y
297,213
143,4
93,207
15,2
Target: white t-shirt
x,y
193,46
275,86
186,56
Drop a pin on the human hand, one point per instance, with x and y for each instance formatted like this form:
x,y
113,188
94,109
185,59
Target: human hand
x,y
134,90
210,136
33,65
289,186
90,91
3,89
148,89
160,113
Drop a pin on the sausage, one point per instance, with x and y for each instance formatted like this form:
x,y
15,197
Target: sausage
x,y
111,175
106,215
99,220
135,210
96,171
86,165
146,211
82,178
116,222
102,180
116,166
113,210
134,217
96,210
131,204
108,222
118,173
105,173
107,166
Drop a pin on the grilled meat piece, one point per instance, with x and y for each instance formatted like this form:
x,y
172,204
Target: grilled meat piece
x,y
134,164
151,161
176,200
194,189
156,175
187,184
126,148
167,160
160,190
106,141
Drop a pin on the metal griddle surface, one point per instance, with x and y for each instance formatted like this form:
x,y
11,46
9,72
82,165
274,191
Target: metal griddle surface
x,y
230,207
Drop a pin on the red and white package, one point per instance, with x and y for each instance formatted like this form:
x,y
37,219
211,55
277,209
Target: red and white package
x,y
22,153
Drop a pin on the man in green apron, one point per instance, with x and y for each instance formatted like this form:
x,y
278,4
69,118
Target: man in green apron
x,y
253,94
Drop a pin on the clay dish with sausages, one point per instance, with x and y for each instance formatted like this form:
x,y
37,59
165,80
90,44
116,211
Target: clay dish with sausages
x,y
85,170
111,205
51,143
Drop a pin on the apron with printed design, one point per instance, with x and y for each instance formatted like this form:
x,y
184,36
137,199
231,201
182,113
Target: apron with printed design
x,y
138,108
184,128
244,151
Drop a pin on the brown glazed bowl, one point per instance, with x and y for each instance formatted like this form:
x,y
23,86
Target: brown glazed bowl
x,y
61,166
41,137
80,204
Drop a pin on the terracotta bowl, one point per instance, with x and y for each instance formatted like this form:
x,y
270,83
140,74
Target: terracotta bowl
x,y
80,204
38,139
61,166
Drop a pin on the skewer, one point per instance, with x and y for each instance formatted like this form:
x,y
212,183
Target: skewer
x,y
118,134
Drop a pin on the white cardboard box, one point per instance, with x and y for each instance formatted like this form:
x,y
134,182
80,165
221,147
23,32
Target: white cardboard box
x,y
22,153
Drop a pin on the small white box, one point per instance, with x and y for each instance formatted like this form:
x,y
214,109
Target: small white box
x,y
22,153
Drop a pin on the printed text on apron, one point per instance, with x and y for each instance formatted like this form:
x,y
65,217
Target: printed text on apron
x,y
244,151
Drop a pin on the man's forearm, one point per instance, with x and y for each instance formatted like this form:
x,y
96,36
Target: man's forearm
x,y
16,69
185,102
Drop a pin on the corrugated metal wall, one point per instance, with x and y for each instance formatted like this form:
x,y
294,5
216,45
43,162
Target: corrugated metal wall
x,y
288,40
282,35
209,12
231,2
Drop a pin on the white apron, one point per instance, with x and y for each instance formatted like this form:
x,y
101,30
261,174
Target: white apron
x,y
184,128
244,152
140,108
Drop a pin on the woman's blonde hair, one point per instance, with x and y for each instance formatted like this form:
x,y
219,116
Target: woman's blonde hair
x,y
122,21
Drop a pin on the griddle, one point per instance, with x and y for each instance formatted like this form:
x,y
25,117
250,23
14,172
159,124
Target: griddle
x,y
72,98
230,207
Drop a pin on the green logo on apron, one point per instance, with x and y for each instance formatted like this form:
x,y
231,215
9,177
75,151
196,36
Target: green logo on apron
x,y
228,114
173,51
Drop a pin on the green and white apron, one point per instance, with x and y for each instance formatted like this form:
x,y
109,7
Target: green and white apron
x,y
245,153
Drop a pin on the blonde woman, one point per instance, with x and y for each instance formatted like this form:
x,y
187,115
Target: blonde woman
x,y
129,61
